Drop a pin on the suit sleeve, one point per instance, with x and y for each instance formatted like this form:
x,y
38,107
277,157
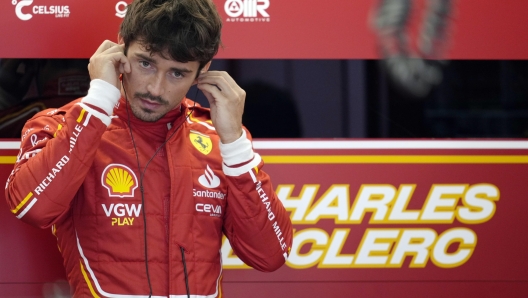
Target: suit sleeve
x,y
57,150
256,223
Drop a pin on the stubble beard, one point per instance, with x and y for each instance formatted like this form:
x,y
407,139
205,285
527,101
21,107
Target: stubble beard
x,y
148,115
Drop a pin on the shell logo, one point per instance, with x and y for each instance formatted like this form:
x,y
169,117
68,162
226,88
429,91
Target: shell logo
x,y
119,180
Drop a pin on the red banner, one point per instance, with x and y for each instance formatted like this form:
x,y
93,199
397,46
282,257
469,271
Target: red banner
x,y
270,29
382,218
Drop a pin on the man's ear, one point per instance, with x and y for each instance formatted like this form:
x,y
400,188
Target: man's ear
x,y
206,67
203,70
120,39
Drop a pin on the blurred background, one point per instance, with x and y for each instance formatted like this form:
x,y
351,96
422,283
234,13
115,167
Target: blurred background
x,y
340,99
410,88
406,69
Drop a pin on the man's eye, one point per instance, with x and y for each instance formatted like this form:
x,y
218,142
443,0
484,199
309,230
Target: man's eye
x,y
177,74
144,63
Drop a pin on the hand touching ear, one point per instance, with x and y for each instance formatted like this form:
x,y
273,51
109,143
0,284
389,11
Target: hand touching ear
x,y
226,100
108,63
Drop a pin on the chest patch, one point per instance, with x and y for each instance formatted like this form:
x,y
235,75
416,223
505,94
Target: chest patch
x,y
119,180
201,142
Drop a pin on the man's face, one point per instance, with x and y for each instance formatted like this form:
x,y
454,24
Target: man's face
x,y
155,84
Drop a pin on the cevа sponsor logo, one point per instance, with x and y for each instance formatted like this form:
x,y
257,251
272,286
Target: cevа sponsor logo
x,y
213,210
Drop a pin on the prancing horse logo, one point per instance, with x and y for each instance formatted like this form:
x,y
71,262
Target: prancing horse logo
x,y
201,142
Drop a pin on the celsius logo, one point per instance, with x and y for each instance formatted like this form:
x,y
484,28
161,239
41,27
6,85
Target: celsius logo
x,y
209,179
247,10
121,9
59,11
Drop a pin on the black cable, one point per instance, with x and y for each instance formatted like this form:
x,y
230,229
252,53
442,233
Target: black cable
x,y
142,175
185,273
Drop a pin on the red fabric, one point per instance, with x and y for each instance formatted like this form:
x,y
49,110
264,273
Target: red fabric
x,y
72,191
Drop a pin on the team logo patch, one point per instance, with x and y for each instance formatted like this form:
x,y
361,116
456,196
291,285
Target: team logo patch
x,y
209,179
119,180
201,142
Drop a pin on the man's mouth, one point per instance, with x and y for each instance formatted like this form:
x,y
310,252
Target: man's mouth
x,y
149,104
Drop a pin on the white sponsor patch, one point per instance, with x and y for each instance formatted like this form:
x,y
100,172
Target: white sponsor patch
x,y
209,179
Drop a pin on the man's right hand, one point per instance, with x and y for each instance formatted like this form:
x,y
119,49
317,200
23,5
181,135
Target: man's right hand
x,y
108,63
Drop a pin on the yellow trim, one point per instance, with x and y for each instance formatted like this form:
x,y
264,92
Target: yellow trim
x,y
8,160
198,121
396,159
24,201
256,170
81,116
59,128
220,286
376,159
94,294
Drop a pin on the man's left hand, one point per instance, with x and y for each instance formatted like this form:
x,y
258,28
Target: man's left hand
x,y
226,100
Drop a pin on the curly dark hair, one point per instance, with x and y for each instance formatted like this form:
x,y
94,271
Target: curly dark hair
x,y
188,30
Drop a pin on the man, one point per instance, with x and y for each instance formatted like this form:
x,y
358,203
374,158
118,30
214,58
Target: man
x,y
138,182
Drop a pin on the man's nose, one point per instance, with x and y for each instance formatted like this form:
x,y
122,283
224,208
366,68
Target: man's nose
x,y
155,85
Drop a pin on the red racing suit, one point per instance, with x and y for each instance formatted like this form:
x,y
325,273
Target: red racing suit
x,y
115,189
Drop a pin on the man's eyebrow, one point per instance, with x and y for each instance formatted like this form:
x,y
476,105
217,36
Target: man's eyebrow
x,y
141,56
149,59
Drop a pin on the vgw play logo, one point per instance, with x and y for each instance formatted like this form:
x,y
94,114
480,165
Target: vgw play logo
x,y
25,13
247,10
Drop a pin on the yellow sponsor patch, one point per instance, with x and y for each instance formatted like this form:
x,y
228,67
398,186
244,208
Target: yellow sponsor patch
x,y
119,180
201,142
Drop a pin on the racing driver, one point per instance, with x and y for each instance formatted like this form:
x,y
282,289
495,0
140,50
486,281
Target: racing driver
x,y
139,183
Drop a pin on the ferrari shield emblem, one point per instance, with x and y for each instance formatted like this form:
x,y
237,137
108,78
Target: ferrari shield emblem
x,y
201,142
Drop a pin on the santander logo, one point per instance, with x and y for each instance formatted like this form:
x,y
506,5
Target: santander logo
x,y
209,179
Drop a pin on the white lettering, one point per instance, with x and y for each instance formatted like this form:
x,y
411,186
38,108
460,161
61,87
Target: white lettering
x,y
213,210
18,9
208,194
52,174
119,209
121,8
35,141
133,210
108,211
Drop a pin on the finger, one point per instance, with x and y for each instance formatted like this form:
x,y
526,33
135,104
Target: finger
x,y
114,48
219,82
224,82
104,46
221,74
211,92
119,60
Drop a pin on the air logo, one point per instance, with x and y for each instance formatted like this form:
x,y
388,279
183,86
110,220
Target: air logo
x,y
60,11
247,10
